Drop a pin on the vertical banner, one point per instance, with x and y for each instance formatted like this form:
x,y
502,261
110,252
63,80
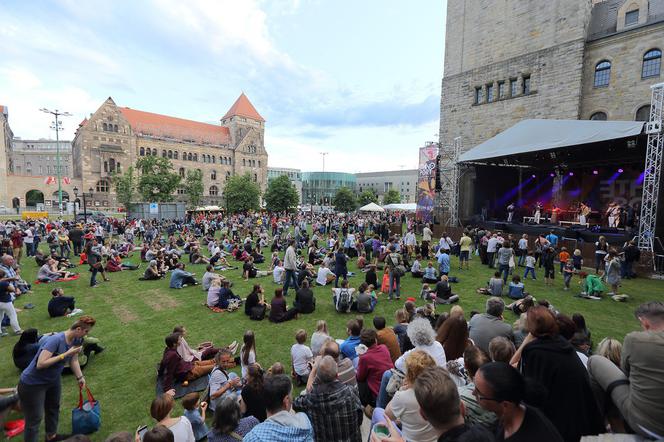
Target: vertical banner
x,y
426,183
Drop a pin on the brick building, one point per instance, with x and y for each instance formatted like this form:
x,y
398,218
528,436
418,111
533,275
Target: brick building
x,y
115,137
510,60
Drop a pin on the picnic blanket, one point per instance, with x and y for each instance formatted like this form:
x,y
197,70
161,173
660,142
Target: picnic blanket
x,y
71,278
199,384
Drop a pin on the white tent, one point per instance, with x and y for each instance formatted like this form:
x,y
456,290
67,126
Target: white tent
x,y
406,207
371,207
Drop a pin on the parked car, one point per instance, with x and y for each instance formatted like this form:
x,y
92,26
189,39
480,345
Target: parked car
x,y
93,215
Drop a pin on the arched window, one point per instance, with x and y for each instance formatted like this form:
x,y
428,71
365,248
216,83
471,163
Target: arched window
x,y
244,162
181,191
105,126
142,151
213,175
111,165
163,153
643,113
175,154
115,128
214,191
190,156
182,172
228,175
170,154
117,167
255,178
602,73
600,116
259,163
195,157
154,152
102,186
214,159
652,62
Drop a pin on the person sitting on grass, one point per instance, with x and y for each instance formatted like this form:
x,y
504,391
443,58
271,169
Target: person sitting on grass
x,y
279,311
324,275
228,424
305,301
191,404
60,305
249,270
416,268
365,300
591,285
494,287
443,292
521,305
501,349
371,278
152,272
278,273
195,257
372,363
301,358
112,265
180,278
161,410
46,272
173,368
226,295
342,298
255,299
516,288
430,274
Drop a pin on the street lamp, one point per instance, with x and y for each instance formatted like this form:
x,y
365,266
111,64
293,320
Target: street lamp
x,y
85,208
57,125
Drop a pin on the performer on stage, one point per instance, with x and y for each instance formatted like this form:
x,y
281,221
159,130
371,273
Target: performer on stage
x,y
510,212
584,211
555,212
538,212
613,214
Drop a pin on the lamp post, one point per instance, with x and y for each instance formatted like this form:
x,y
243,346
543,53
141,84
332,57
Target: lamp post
x,y
85,207
57,125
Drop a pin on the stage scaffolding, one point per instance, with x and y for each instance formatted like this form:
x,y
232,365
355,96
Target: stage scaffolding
x,y
448,195
652,172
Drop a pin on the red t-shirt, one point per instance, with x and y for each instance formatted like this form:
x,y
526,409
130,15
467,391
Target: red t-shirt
x,y
372,365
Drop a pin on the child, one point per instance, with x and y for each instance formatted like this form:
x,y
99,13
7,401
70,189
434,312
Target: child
x,y
301,357
501,349
416,269
516,288
424,293
362,261
568,272
577,260
530,266
494,287
563,257
190,402
430,274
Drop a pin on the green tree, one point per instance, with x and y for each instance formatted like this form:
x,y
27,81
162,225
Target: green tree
x,y
241,194
366,197
157,181
392,196
193,185
125,187
281,195
344,200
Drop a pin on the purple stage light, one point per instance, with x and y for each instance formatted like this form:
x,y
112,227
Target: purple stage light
x,y
595,172
552,174
620,171
534,176
571,174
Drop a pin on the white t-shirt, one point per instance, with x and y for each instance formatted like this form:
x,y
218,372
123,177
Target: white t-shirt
x,y
530,261
278,274
182,431
435,350
251,359
407,410
301,354
321,278
523,244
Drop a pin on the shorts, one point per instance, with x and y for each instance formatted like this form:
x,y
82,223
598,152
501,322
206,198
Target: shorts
x,y
463,256
549,273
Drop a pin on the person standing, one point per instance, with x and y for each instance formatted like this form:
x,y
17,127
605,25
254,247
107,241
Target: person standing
x,y
492,246
17,244
340,266
510,212
40,389
29,241
523,249
464,250
76,237
426,240
393,260
290,265
505,254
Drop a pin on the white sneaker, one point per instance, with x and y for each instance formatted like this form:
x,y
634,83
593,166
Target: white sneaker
x,y
76,311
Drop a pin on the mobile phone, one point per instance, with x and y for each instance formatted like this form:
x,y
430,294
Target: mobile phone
x,y
141,431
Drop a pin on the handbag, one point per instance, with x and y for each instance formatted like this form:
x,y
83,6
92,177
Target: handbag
x,y
399,269
394,384
86,418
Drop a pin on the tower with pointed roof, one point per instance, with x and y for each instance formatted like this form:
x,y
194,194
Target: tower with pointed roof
x,y
243,120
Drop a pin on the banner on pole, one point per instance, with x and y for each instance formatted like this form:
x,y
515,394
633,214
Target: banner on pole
x,y
426,183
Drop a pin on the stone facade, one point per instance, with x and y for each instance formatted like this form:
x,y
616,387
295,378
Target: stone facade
x,y
39,157
403,181
114,137
5,158
508,60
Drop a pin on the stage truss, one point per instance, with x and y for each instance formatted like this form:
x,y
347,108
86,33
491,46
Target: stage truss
x,y
652,172
448,196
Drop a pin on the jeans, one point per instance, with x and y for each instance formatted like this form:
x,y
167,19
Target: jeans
x,y
37,400
77,247
530,270
522,258
30,249
383,398
65,250
505,270
290,280
489,258
338,275
93,276
394,278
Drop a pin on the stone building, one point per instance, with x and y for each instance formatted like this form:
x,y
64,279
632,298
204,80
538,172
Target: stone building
x,y
6,136
510,60
39,157
115,137
294,175
403,181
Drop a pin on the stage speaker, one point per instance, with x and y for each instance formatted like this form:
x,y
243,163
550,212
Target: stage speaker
x,y
439,185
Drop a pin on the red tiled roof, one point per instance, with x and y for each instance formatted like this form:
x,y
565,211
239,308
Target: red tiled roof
x,y
157,125
83,123
243,108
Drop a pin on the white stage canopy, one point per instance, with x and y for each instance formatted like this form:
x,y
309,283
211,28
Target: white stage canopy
x,y
371,207
537,135
408,207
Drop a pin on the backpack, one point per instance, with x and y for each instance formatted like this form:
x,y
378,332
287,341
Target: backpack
x,y
344,301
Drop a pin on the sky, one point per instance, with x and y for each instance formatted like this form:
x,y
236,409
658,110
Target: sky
x,y
359,80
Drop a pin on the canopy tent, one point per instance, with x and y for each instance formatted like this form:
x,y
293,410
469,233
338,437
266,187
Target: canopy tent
x,y
371,207
208,209
529,136
408,207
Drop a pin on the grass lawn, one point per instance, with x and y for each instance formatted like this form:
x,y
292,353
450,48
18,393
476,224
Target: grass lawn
x,y
133,317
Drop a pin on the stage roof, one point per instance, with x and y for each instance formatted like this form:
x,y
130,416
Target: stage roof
x,y
537,135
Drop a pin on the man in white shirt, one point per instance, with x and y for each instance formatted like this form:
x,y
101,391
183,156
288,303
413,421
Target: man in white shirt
x,y
491,249
325,275
278,273
410,241
29,240
523,249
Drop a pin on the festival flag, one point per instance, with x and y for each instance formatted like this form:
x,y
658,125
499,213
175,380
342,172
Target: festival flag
x,y
49,180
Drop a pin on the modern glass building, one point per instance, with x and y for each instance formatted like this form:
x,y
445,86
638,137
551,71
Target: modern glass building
x,y
319,188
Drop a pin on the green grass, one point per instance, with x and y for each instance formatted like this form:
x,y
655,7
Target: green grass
x,y
133,317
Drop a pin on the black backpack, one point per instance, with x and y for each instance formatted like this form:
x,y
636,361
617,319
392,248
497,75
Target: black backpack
x,y
344,301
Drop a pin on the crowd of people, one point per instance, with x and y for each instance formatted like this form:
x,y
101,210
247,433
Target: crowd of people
x,y
466,376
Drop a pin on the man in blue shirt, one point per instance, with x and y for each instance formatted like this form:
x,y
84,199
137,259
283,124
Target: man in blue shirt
x,y
444,262
553,239
180,278
348,346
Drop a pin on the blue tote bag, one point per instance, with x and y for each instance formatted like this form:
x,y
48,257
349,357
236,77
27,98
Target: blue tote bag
x,y
86,418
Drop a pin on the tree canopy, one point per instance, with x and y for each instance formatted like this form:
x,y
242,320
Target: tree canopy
x,y
344,200
392,196
125,187
193,185
157,180
281,195
241,194
367,196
